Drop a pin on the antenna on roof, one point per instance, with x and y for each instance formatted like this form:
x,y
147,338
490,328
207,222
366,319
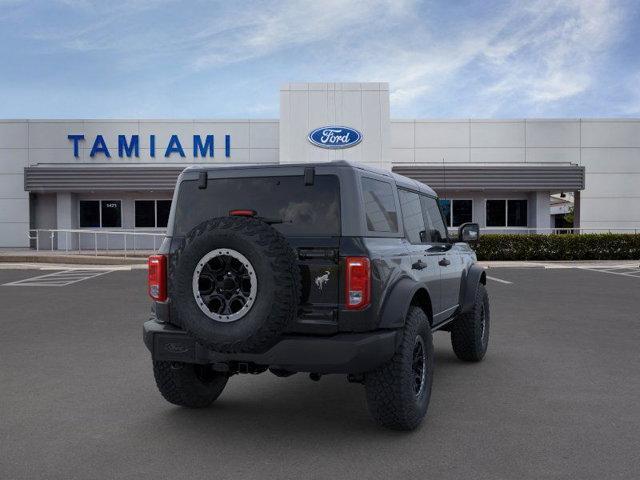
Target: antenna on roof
x,y
444,176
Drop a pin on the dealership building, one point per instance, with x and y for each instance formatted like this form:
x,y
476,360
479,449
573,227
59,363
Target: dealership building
x,y
119,175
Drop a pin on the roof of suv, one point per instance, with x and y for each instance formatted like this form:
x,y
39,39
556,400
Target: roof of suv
x,y
400,180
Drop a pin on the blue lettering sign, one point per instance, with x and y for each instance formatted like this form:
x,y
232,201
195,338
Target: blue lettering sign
x,y
75,139
129,146
174,147
203,149
124,149
99,146
152,146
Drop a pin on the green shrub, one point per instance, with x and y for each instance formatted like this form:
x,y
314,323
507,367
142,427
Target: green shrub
x,y
588,246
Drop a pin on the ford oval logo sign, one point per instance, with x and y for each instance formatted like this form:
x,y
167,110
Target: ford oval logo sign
x,y
335,137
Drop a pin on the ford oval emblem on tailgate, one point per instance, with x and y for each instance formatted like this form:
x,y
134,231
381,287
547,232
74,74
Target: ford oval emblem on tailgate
x,y
335,137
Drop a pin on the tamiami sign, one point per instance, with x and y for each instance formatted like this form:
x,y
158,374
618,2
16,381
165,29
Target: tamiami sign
x,y
129,146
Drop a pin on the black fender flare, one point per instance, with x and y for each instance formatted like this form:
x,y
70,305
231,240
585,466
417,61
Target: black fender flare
x,y
474,276
396,306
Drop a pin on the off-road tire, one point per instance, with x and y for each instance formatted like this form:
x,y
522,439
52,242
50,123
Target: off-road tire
x,y
391,397
188,385
468,337
278,280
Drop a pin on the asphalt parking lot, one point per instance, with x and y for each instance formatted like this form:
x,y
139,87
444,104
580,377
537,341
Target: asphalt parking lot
x,y
558,395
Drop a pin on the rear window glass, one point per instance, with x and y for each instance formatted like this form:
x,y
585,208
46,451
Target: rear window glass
x,y
312,210
379,206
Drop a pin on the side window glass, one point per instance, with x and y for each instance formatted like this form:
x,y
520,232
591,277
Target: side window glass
x,y
412,216
379,206
436,230
445,205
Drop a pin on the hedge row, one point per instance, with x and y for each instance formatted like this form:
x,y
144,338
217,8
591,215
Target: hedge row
x,y
590,246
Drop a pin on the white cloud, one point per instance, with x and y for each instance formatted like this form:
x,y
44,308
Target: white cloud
x,y
545,52
552,54
285,25
534,53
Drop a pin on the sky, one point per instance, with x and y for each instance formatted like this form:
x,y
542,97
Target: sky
x,y
228,59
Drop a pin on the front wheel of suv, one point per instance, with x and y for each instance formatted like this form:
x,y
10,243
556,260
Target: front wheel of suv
x,y
398,392
187,384
470,331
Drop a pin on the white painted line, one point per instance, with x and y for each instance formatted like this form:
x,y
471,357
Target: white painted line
x,y
30,279
60,278
622,274
89,277
89,268
66,266
622,270
499,280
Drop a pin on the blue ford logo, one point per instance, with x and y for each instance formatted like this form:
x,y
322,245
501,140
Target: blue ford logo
x,y
335,137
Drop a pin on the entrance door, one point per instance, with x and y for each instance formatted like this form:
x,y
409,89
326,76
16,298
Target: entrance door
x,y
437,245
425,268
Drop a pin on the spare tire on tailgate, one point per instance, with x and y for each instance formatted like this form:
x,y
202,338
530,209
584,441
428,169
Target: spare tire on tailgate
x,y
235,284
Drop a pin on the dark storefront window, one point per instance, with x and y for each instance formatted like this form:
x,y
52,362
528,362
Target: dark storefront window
x,y
100,213
163,209
145,213
517,213
111,213
152,213
462,212
456,212
507,213
90,214
496,213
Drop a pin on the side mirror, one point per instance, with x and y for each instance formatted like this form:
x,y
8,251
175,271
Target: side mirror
x,y
469,232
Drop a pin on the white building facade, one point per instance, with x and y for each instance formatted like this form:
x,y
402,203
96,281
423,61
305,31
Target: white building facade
x,y
118,175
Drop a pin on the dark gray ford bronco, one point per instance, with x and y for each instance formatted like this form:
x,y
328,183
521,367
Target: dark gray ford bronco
x,y
319,268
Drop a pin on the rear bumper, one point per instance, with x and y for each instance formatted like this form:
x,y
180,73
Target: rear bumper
x,y
341,353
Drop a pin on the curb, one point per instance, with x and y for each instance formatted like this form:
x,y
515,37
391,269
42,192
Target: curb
x,y
72,260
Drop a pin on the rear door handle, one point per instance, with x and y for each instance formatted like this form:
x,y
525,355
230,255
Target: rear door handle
x,y
444,262
419,265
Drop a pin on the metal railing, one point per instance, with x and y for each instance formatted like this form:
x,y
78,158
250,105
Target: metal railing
x,y
84,240
550,231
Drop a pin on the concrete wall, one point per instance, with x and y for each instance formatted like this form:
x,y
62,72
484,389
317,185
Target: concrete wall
x,y
363,106
30,142
611,154
485,141
14,201
44,215
608,149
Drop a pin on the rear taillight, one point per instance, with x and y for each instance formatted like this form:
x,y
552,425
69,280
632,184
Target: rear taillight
x,y
157,277
358,282
242,213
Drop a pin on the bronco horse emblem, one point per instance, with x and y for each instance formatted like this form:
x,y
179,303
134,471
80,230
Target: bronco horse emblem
x,y
322,280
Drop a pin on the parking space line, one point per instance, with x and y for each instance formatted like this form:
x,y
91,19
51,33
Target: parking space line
x,y
59,279
499,280
634,274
